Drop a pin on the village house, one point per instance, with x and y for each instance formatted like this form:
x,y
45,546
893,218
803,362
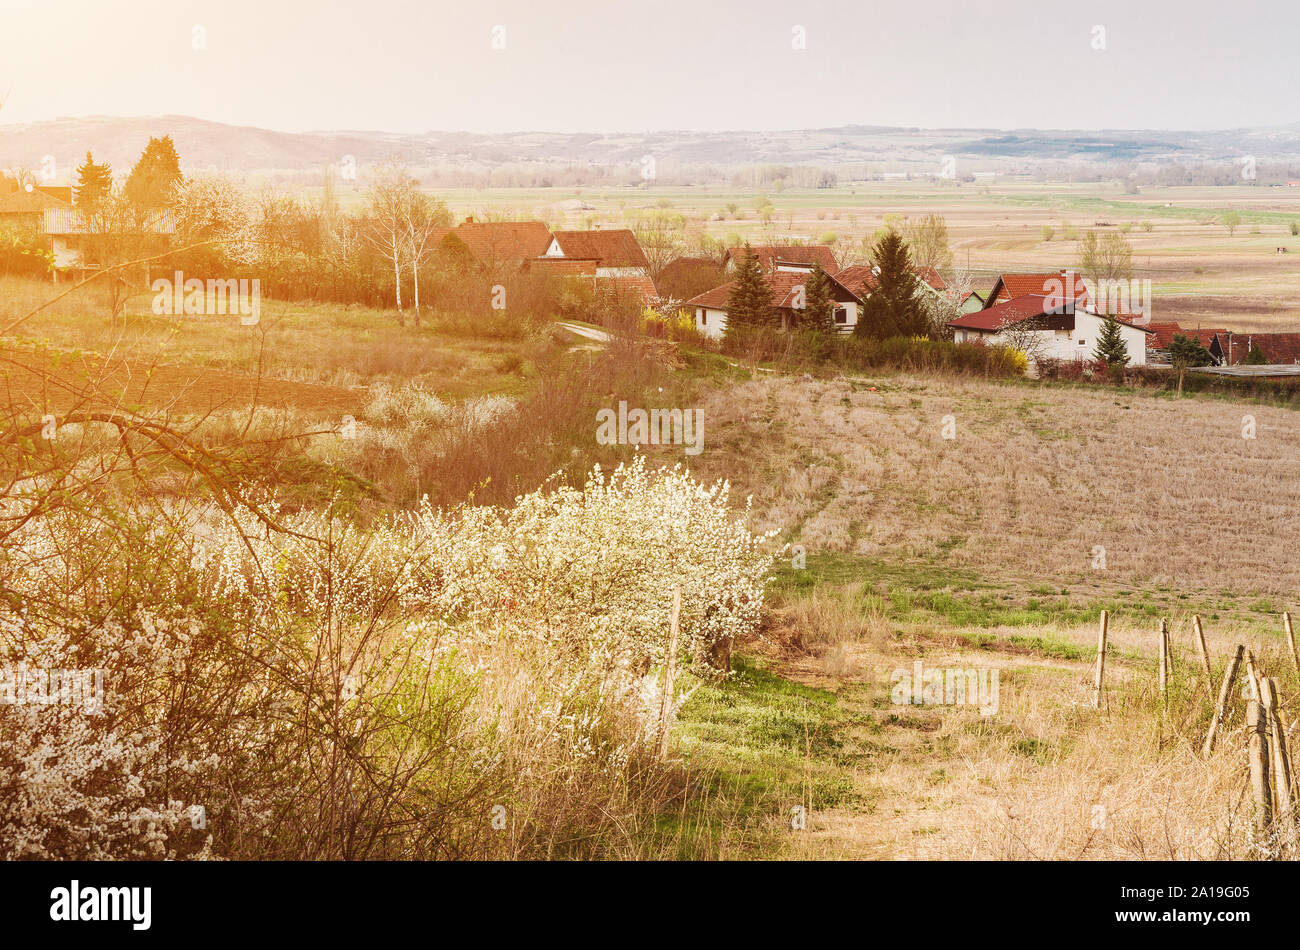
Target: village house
x,y
620,265
499,246
863,279
786,288
1162,337
1061,283
1046,328
23,208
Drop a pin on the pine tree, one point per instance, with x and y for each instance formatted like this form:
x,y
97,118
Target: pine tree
x,y
893,308
150,183
1256,356
819,304
1111,348
94,182
749,303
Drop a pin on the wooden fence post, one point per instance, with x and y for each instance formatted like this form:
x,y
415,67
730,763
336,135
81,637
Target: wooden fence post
x,y
1101,660
1199,635
1252,674
1225,695
1164,659
1290,640
670,672
1279,756
1259,771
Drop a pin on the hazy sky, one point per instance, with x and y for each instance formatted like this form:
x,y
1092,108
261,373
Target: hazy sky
x,y
583,65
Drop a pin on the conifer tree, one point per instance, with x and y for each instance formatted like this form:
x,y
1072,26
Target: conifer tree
x,y
748,303
819,304
94,182
893,308
1111,348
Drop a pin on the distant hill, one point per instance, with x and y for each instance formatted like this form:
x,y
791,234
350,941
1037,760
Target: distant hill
x,y
203,144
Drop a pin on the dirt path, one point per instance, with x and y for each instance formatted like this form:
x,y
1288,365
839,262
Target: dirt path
x,y
930,781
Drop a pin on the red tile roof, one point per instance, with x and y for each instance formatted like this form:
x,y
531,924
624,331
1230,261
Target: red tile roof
x,y
782,287
623,288
496,242
769,254
1278,348
1010,286
1016,310
614,248
861,278
1164,333
563,266
30,202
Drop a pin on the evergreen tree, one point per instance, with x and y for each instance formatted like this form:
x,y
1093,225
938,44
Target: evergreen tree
x,y
819,304
1111,348
1188,351
893,308
749,303
94,182
150,183
1256,356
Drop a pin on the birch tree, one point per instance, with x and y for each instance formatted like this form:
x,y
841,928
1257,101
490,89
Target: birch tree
x,y
388,202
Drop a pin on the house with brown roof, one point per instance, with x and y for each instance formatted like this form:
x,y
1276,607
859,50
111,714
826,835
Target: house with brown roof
x,y
1162,337
1066,284
621,267
500,245
786,294
1046,328
1119,298
784,257
24,208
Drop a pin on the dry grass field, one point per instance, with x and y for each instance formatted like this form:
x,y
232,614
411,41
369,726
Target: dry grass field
x,y
978,552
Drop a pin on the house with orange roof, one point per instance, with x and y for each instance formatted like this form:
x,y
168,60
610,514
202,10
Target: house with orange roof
x,y
620,265
786,293
500,246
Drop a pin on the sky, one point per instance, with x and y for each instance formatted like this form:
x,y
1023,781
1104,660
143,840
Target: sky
x,y
646,65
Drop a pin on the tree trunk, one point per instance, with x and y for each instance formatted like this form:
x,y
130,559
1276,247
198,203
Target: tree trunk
x,y
397,275
720,655
415,278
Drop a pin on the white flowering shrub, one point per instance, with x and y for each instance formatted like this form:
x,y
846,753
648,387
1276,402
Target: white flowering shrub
x,y
323,689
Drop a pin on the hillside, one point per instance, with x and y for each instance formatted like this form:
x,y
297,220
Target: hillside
x,y
204,144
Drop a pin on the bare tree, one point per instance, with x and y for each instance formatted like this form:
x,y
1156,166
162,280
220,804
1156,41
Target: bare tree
x,y
423,216
1027,336
927,239
388,201
1106,258
660,233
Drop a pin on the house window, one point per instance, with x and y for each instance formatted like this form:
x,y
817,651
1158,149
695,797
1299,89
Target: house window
x,y
841,315
1083,343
